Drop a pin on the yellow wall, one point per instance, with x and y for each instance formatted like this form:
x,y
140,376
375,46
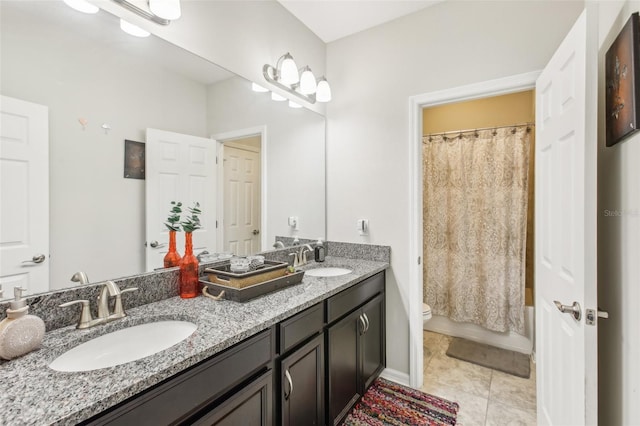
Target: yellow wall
x,y
502,110
505,110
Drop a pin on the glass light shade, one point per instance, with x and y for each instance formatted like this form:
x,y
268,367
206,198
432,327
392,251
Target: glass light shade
x,y
307,82
133,30
277,98
294,105
323,92
257,88
82,6
289,71
166,9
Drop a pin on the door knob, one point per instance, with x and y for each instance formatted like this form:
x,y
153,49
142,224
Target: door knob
x,y
573,309
256,232
155,244
37,258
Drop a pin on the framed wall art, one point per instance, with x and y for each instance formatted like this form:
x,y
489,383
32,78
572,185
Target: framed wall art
x,y
622,85
134,159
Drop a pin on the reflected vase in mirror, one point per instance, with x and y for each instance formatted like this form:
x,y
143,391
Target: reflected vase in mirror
x,y
189,284
172,258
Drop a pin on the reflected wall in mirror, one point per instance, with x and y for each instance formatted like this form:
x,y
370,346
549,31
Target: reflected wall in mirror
x,y
101,87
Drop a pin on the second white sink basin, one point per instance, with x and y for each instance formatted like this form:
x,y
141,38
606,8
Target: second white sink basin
x,y
122,346
327,272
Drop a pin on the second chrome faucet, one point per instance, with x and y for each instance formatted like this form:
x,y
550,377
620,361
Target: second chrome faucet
x,y
105,314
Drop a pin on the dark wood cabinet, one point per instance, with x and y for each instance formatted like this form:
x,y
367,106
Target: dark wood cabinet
x,y
356,352
250,406
309,369
302,385
372,341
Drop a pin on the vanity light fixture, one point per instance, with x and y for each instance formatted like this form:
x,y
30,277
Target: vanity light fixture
x,y
167,9
133,30
277,98
257,88
294,105
82,6
162,11
299,82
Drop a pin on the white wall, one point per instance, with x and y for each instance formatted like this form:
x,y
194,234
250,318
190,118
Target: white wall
x,y
240,36
374,73
96,215
618,250
295,148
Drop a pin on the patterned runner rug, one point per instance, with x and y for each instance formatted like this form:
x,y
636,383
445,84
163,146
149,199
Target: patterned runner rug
x,y
387,403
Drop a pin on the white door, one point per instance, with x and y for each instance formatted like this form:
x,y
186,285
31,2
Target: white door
x,y
241,199
178,168
24,196
566,148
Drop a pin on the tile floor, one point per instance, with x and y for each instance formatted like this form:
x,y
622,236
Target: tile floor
x,y
486,396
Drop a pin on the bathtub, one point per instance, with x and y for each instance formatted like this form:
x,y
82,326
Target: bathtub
x,y
507,340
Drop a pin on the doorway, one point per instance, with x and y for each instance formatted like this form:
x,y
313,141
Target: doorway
x,y
504,86
242,197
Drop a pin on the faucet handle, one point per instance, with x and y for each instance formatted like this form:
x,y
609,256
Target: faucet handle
x,y
118,310
85,314
293,260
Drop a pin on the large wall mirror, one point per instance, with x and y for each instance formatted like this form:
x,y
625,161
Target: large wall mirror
x,y
102,87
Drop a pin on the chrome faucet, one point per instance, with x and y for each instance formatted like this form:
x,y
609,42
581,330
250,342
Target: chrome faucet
x,y
278,244
109,289
80,277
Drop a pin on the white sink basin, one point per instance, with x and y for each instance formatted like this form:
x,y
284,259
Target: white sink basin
x,y
327,272
122,346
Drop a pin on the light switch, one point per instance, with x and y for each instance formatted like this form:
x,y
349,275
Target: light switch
x,y
363,226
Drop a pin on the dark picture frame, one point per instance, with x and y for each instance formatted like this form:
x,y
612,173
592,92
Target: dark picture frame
x,y
622,85
134,159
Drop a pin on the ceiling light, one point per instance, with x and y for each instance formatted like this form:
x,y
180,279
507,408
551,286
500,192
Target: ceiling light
x,y
257,88
277,98
294,105
307,82
288,70
82,6
167,9
323,93
133,30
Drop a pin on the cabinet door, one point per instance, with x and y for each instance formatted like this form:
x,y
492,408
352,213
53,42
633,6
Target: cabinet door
x,y
342,361
251,406
302,385
372,341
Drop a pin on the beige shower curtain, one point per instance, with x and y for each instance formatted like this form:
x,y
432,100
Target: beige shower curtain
x,y
475,219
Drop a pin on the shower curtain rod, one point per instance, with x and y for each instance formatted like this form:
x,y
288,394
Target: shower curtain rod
x,y
459,132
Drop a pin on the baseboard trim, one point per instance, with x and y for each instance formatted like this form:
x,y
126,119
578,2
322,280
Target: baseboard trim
x,y
396,376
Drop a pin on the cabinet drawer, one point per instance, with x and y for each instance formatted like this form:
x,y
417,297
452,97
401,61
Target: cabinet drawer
x,y
182,396
300,327
351,298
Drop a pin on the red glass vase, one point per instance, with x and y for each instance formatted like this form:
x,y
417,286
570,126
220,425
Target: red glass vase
x,y
189,284
172,258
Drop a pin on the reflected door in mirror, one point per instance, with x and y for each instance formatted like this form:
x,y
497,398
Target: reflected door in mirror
x,y
241,199
24,196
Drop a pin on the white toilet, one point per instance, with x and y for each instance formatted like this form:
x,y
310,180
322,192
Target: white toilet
x,y
426,313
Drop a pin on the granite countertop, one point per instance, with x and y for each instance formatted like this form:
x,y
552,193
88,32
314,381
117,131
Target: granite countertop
x,y
33,394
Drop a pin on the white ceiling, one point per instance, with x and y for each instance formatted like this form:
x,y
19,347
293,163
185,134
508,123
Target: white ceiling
x,y
334,19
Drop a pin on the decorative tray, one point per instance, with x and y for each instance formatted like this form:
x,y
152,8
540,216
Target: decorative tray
x,y
222,274
252,291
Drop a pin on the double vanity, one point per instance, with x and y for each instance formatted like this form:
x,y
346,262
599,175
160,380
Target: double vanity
x,y
301,355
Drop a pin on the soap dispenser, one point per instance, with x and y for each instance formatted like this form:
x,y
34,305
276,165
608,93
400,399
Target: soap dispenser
x,y
319,251
20,333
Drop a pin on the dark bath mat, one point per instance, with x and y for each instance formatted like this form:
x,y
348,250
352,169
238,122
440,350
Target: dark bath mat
x,y
509,362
